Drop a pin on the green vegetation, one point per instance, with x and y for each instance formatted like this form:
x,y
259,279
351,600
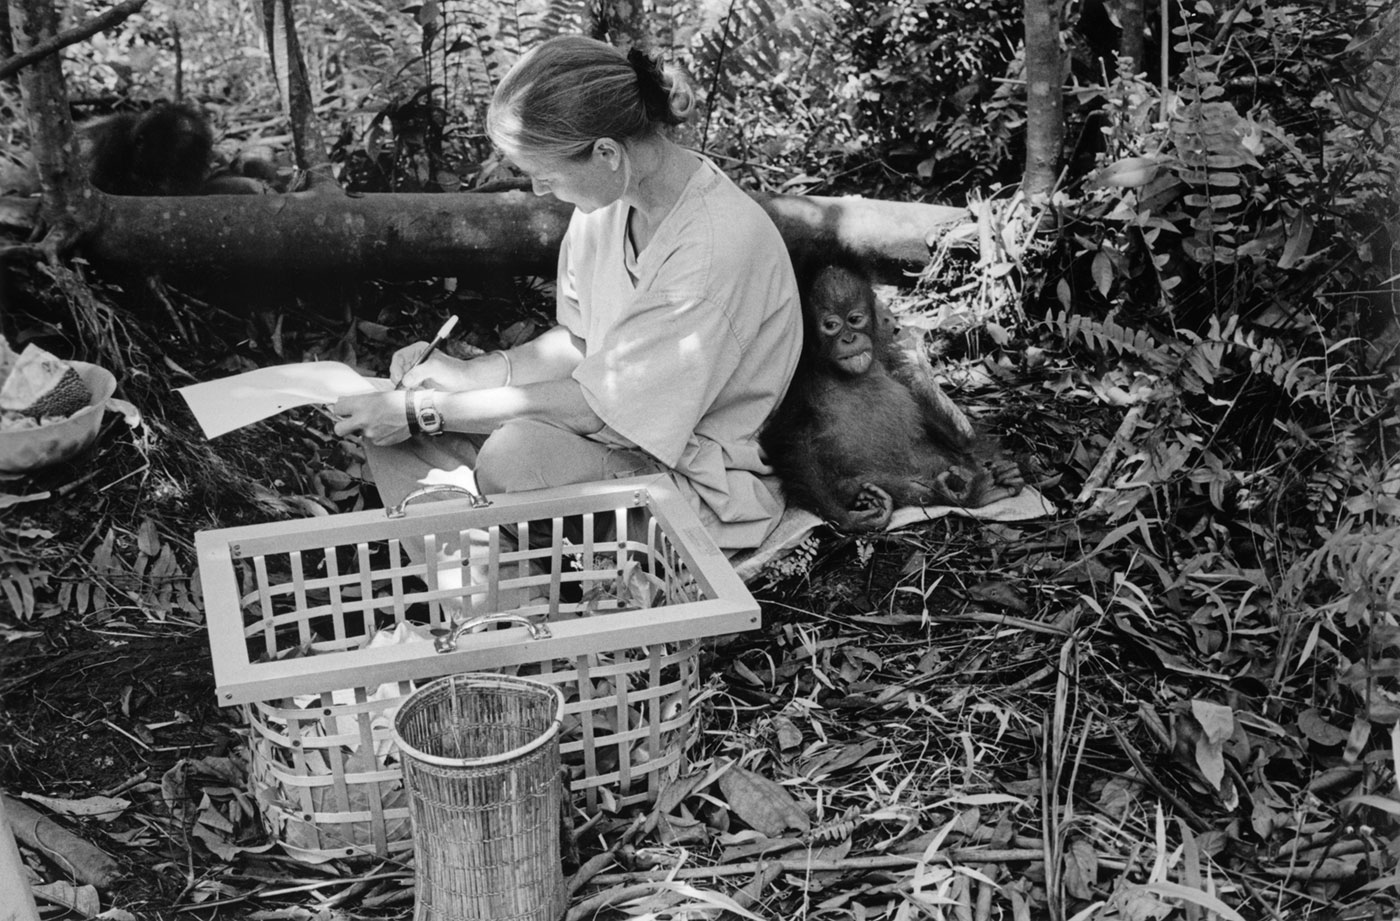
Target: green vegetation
x,y
1178,698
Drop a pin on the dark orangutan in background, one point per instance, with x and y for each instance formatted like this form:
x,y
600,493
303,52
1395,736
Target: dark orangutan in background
x,y
167,150
864,429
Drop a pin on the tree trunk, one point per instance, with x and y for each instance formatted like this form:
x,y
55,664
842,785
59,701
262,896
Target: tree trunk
x,y
426,236
1045,103
289,70
69,202
7,44
1132,17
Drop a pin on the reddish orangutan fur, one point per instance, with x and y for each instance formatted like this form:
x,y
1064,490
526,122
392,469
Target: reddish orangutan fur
x,y
865,429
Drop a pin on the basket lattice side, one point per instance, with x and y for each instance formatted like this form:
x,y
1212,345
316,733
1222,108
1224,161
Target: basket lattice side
x,y
327,776
319,629
325,770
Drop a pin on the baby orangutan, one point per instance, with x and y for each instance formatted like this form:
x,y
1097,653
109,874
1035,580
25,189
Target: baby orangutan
x,y
865,430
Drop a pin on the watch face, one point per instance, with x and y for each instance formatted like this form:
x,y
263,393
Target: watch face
x,y
429,419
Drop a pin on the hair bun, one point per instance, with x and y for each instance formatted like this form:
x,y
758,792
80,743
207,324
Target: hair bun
x,y
646,66
659,89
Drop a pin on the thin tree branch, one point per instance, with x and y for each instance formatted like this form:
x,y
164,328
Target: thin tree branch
x,y
96,24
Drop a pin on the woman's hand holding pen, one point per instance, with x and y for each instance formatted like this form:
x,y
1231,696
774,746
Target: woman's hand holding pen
x,y
436,372
381,418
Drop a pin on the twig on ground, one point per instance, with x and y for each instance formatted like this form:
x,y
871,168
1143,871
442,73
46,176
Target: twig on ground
x,y
357,885
117,729
602,900
600,862
392,897
1031,680
1000,620
354,890
1099,475
21,251
138,778
1326,871
800,865
591,868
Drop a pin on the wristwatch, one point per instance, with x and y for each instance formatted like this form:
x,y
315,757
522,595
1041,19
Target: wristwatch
x,y
426,411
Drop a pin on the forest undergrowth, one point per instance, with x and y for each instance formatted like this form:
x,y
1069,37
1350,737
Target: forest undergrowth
x,y
1175,698
1162,697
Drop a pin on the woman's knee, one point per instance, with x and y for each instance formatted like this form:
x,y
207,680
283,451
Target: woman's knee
x,y
526,455
520,456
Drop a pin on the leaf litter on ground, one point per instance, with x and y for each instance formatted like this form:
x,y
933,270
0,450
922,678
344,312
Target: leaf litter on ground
x,y
960,721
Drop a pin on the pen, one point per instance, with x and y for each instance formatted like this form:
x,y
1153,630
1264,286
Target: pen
x,y
442,334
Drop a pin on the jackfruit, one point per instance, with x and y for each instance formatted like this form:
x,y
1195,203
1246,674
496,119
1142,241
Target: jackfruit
x,y
42,386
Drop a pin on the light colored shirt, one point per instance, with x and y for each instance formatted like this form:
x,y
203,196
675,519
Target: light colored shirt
x,y
689,345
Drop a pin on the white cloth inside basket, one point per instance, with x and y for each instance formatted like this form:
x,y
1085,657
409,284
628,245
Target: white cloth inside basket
x,y
348,725
797,523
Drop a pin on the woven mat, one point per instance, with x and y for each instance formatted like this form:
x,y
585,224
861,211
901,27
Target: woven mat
x,y
796,524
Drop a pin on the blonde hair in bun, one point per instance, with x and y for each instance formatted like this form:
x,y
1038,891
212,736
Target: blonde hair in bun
x,y
572,90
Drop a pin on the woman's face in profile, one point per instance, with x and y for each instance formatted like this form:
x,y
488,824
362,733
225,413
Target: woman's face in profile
x,y
588,183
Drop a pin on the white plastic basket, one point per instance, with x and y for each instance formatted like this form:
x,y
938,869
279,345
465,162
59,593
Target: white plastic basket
x,y
624,600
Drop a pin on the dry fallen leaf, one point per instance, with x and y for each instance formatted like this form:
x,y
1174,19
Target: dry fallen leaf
x,y
765,805
1117,796
1312,724
789,736
998,593
101,808
1217,725
1081,869
81,899
675,792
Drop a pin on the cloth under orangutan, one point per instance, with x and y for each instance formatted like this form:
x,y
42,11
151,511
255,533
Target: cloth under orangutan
x,y
798,523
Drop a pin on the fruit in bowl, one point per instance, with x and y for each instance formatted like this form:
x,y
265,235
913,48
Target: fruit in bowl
x,y
50,409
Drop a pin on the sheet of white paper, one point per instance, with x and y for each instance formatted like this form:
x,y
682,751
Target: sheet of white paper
x,y
230,403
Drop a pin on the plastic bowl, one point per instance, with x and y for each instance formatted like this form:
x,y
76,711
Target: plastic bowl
x,y
29,449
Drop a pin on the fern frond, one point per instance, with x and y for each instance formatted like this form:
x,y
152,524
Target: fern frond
x,y
796,562
1200,365
1292,375
1356,560
1107,335
838,829
555,17
1214,149
755,39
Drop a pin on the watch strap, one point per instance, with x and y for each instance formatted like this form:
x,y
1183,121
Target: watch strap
x,y
410,412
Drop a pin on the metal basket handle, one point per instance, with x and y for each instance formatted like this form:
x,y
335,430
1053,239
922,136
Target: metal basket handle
x,y
538,630
400,510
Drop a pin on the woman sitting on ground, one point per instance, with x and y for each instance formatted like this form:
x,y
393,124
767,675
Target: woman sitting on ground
x,y
678,319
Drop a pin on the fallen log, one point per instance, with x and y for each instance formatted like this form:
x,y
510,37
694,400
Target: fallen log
x,y
404,236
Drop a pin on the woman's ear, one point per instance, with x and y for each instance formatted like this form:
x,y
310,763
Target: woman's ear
x,y
609,151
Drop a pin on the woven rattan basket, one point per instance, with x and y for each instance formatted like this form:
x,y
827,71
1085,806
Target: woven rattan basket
x,y
480,758
299,612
